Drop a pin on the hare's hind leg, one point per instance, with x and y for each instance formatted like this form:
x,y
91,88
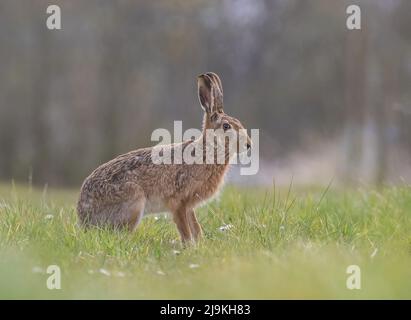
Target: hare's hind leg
x,y
132,209
124,215
195,227
132,214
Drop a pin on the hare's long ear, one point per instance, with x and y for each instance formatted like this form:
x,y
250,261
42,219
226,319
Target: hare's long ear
x,y
210,92
205,94
218,91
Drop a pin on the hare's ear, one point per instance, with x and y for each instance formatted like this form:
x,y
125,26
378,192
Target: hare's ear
x,y
218,91
205,94
210,92
217,81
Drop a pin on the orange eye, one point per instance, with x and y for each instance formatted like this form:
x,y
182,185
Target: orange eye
x,y
226,126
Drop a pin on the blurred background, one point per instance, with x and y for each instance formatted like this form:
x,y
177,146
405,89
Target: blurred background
x,y
331,104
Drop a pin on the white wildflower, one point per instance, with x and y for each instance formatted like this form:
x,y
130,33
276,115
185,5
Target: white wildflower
x,y
105,272
226,227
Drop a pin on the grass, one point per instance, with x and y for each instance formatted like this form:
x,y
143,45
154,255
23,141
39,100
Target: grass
x,y
276,244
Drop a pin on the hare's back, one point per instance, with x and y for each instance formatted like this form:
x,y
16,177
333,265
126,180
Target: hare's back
x,y
114,180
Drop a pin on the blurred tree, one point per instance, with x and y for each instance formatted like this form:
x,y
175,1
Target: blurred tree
x,y
73,98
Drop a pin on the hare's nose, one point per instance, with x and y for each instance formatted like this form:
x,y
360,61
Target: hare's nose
x,y
248,146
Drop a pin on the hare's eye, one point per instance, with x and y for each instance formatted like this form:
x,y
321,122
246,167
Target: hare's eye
x,y
226,126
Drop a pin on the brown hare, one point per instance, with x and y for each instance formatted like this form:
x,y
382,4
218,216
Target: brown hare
x,y
121,191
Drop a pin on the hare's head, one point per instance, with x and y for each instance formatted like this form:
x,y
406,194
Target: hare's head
x,y
210,94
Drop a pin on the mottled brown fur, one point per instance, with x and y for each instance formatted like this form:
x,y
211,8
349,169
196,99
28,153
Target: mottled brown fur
x,y
119,192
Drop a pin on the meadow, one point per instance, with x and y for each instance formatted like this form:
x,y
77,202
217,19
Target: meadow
x,y
258,243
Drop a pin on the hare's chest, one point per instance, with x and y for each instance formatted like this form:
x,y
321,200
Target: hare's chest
x,y
207,188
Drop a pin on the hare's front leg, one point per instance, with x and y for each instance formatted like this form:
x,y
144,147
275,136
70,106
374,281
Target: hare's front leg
x,y
195,227
181,219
